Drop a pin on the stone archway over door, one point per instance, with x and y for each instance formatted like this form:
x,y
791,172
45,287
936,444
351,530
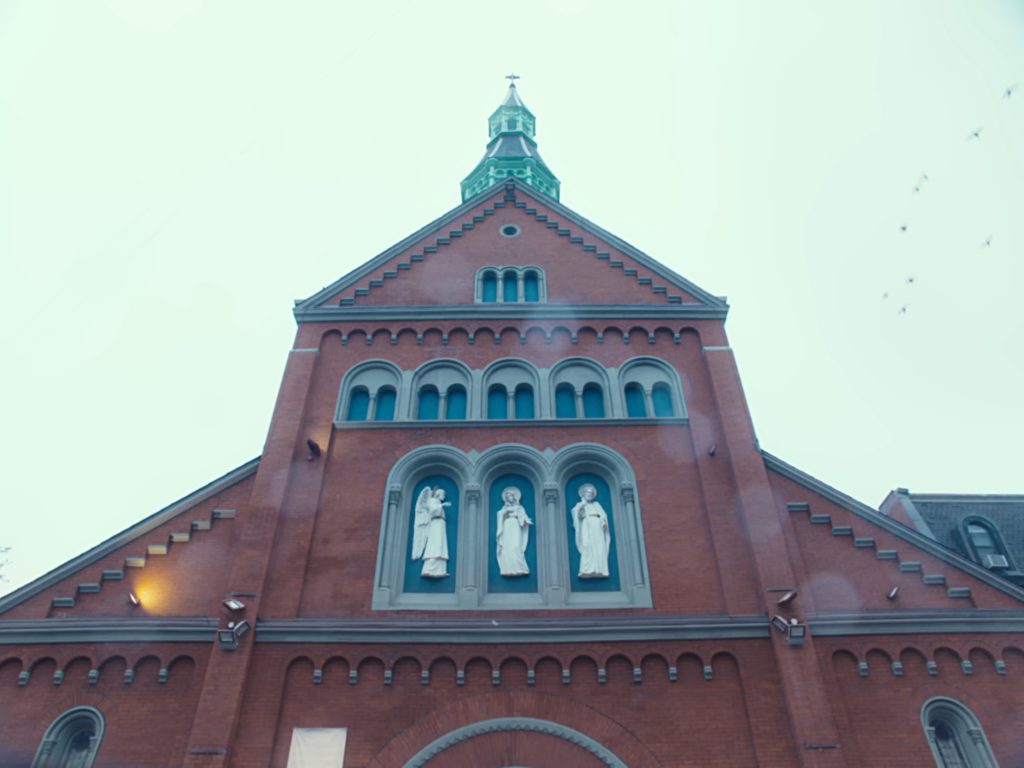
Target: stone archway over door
x,y
515,741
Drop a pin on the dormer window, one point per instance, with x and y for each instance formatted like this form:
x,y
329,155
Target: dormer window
x,y
985,545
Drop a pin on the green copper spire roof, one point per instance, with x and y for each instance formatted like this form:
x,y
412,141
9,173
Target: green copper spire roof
x,y
511,150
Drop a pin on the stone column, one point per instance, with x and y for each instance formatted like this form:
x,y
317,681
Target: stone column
x,y
550,527
473,568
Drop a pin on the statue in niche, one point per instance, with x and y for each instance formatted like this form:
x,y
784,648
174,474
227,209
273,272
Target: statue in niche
x,y
430,537
593,539
513,534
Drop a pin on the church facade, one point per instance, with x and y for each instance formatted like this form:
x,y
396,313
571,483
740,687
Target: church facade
x,y
511,511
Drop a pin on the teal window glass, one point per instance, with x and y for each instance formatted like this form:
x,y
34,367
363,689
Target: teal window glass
x,y
531,287
636,408
385,405
429,403
661,398
358,405
490,287
565,402
497,402
455,408
593,402
524,401
510,288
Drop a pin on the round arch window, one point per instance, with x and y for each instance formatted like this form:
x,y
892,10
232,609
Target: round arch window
x,y
510,230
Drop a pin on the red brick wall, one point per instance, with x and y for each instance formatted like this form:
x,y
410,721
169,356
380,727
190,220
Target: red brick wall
x,y
147,722
187,581
880,715
691,722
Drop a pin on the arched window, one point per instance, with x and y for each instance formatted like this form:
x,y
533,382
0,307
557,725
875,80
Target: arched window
x,y
429,403
385,410
455,408
490,287
497,402
661,398
651,388
72,740
370,391
593,402
565,402
510,287
985,543
635,405
531,287
358,404
955,735
524,402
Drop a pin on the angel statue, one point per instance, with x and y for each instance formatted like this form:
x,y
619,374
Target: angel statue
x,y
593,539
430,537
513,534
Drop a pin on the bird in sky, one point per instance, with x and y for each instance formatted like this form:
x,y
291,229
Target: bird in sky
x,y
987,243
903,309
975,134
917,188
885,296
903,227
1009,91
910,280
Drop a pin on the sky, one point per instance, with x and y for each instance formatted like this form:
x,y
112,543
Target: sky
x,y
174,174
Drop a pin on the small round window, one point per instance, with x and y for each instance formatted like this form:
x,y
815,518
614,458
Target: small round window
x,y
510,230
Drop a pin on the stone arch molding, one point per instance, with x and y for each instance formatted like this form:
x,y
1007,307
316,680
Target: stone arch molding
x,y
503,724
955,735
549,473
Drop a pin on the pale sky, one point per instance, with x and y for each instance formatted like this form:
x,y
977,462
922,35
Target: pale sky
x,y
173,174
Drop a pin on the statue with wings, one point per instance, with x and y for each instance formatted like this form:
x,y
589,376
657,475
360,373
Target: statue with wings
x,y
430,534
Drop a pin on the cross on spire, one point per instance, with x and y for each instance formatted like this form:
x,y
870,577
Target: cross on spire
x,y
512,79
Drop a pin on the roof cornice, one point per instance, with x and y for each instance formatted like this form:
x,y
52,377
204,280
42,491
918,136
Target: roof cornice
x,y
563,629
111,630
513,312
903,622
897,529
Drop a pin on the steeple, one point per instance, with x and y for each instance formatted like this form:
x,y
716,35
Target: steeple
x,y
511,150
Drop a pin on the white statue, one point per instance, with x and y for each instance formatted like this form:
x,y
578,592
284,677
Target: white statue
x,y
430,537
513,534
593,539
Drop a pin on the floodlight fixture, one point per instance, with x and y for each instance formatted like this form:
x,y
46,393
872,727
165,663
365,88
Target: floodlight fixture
x,y
133,599
891,595
796,633
228,638
780,624
234,604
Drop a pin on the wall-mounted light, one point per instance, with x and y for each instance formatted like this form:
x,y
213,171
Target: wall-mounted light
x,y
780,624
787,598
314,449
796,632
228,638
133,599
891,595
234,604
